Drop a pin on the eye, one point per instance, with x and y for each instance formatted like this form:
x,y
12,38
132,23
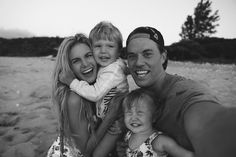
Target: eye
x,y
131,55
128,112
140,113
90,54
111,46
76,60
96,46
147,54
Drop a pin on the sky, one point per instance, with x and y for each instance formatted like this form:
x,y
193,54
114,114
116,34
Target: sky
x,y
26,18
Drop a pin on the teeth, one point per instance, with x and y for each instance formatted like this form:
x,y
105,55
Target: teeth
x,y
87,71
135,125
141,72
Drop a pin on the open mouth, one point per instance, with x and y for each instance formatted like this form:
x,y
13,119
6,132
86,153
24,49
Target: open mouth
x,y
135,124
104,58
87,71
141,73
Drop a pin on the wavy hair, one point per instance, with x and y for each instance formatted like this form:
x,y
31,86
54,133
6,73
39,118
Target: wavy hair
x,y
60,92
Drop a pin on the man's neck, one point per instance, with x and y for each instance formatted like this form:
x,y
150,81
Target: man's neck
x,y
158,86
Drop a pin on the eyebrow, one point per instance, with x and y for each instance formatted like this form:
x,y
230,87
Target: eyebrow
x,y
147,50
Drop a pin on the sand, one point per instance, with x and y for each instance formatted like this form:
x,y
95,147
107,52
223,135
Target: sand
x,y
27,122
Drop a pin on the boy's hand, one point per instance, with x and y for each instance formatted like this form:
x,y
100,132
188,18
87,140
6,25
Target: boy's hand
x,y
66,77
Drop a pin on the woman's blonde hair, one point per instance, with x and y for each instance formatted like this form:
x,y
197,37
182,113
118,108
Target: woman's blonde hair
x,y
60,91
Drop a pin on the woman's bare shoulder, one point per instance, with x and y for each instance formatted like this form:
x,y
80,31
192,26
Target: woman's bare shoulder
x,y
74,98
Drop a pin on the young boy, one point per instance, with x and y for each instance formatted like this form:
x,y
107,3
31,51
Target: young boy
x,y
139,107
106,42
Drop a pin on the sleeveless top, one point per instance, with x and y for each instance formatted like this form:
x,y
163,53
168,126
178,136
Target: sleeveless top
x,y
145,149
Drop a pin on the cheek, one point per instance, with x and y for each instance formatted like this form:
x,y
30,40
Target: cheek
x,y
126,119
76,70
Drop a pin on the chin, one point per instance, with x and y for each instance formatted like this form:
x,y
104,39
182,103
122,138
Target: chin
x,y
142,83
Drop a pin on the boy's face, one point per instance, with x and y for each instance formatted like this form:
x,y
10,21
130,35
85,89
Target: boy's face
x,y
105,52
138,118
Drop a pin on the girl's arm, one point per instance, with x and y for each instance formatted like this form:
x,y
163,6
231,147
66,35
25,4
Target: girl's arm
x,y
166,144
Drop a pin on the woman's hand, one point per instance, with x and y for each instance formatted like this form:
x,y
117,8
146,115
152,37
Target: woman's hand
x,y
115,128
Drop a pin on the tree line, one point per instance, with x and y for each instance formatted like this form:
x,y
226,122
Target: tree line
x,y
28,47
196,43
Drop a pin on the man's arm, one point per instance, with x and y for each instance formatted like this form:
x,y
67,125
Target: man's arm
x,y
211,129
165,144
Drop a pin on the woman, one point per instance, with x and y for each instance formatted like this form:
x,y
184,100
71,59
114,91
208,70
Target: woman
x,y
79,133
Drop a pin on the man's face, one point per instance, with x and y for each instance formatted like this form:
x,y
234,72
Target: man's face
x,y
145,61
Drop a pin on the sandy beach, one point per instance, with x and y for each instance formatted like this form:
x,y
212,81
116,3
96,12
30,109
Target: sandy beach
x,y
27,122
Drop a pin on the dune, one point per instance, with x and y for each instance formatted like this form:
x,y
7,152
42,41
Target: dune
x,y
27,123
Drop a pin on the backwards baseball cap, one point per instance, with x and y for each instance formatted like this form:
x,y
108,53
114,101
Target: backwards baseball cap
x,y
146,32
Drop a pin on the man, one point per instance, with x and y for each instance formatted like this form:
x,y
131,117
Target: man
x,y
189,113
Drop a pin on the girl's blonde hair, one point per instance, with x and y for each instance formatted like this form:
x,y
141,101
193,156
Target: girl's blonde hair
x,y
60,91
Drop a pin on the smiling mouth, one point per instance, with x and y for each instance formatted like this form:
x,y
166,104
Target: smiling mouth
x,y
104,58
141,73
135,124
87,71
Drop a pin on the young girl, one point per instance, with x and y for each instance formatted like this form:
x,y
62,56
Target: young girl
x,y
143,141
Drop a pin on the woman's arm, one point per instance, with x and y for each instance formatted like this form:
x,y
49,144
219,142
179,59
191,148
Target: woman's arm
x,y
85,141
114,133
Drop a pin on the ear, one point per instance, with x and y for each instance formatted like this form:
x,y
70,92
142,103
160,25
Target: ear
x,y
163,56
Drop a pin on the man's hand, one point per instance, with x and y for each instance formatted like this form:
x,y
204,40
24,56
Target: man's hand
x,y
66,77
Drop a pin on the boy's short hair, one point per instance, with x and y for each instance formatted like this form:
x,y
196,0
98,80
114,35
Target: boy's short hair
x,y
106,31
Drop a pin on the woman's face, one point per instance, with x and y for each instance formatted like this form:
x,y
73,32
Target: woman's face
x,y
83,63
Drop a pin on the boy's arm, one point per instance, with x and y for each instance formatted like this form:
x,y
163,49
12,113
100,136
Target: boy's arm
x,y
106,80
66,77
166,144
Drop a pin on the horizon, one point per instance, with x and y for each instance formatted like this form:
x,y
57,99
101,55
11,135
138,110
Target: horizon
x,y
61,18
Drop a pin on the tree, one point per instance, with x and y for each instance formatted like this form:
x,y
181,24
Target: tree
x,y
202,23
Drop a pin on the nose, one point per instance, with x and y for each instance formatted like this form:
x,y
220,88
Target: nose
x,y
84,62
139,60
103,49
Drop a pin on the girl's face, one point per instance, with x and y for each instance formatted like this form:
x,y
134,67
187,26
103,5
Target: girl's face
x,y
105,52
138,118
83,63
